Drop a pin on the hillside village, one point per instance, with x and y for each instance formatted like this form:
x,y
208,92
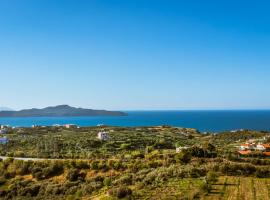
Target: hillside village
x,y
256,147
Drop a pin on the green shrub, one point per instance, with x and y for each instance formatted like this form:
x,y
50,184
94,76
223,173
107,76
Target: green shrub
x,y
183,157
94,165
120,192
29,191
38,175
75,174
87,189
125,146
262,173
136,154
205,187
107,181
2,181
212,177
125,180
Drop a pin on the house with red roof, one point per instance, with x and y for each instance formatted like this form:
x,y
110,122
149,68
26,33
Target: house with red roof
x,y
244,153
247,149
267,154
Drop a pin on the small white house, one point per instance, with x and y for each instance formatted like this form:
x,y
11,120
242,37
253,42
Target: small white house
x,y
247,146
103,135
70,126
179,149
262,147
4,127
100,125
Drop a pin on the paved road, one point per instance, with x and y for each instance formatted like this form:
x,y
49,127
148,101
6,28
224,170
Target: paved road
x,y
26,159
43,159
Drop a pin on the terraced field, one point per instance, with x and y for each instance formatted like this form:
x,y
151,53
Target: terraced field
x,y
238,188
173,189
229,188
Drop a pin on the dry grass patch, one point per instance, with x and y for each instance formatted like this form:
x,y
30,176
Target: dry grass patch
x,y
261,187
232,188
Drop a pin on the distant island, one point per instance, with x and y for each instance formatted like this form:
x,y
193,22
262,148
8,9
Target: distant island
x,y
5,109
60,111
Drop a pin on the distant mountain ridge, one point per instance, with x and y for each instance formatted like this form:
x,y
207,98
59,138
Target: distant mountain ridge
x,y
60,111
5,109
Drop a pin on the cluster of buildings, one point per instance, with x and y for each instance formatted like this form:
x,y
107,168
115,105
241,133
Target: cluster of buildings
x,y
68,126
254,146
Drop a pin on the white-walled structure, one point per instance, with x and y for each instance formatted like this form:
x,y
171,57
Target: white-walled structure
x,y
179,149
103,135
262,147
70,126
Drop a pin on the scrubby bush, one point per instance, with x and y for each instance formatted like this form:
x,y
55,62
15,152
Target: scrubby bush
x,y
196,172
205,187
82,165
94,165
53,170
87,189
29,191
136,154
212,177
125,180
102,165
23,168
120,192
75,174
237,169
2,181
125,146
107,181
183,157
38,175
262,173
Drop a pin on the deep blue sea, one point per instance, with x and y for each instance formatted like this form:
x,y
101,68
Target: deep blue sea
x,y
213,121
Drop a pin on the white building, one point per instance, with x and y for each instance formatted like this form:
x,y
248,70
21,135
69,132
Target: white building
x,y
100,125
263,147
103,135
70,126
179,149
4,127
246,146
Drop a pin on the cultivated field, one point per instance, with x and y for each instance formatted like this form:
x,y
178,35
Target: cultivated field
x,y
227,187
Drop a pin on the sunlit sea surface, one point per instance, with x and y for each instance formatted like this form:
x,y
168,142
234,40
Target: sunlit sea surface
x,y
214,121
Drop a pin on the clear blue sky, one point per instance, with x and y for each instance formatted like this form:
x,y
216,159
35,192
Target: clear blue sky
x,y
134,54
